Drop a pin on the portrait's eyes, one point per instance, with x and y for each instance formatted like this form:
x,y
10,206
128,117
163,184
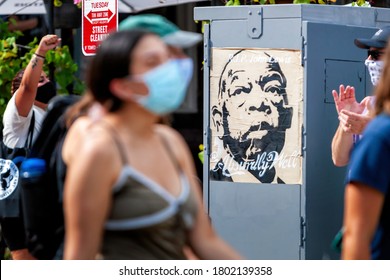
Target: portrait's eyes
x,y
237,91
242,89
274,90
274,87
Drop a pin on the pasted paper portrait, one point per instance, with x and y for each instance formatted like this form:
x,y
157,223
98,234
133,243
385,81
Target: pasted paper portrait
x,y
256,115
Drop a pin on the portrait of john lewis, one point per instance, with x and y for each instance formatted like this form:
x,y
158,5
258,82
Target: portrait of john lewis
x,y
249,120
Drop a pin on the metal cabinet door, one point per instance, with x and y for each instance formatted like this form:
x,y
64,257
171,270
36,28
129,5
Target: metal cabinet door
x,y
331,59
261,221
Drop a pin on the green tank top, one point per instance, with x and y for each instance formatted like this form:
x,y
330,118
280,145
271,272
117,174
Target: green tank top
x,y
146,222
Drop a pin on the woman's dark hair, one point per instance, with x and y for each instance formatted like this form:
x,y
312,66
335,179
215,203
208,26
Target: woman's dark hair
x,y
78,109
16,81
112,60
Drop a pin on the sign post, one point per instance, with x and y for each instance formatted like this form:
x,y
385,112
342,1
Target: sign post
x,y
100,17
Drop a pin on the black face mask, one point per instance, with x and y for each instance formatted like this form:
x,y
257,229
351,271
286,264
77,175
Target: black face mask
x,y
45,92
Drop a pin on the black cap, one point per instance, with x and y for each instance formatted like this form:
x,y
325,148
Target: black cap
x,y
379,40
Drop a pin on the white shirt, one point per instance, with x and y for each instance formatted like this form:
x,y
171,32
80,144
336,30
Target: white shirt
x,y
16,127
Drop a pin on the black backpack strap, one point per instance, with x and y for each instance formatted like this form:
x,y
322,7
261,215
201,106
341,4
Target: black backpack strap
x,y
60,166
30,134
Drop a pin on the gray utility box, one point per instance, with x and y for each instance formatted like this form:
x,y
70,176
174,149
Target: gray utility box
x,y
270,187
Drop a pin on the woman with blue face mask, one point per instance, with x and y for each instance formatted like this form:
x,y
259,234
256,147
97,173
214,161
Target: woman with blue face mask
x,y
130,190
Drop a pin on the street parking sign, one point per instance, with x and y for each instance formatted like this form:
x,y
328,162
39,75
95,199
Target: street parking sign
x,y
100,17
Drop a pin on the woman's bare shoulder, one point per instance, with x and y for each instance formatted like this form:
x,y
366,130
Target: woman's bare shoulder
x,y
175,140
169,133
85,137
80,124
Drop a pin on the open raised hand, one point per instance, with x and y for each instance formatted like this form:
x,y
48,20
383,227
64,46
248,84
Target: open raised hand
x,y
345,100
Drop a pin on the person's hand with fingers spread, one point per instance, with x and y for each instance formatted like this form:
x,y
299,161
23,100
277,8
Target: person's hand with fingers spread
x,y
345,99
353,120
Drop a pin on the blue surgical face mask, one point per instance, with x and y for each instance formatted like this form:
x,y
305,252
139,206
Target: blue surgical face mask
x,y
167,86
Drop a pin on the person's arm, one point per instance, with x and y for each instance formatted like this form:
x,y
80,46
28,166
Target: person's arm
x,y
342,142
363,206
88,190
22,25
204,241
26,93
